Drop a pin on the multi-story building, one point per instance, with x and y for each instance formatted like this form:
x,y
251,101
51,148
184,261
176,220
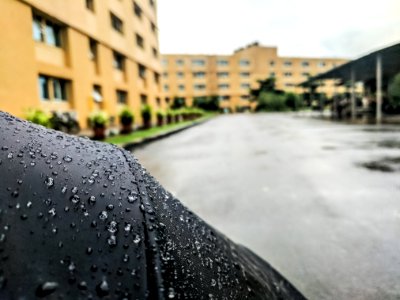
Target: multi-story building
x,y
230,77
79,56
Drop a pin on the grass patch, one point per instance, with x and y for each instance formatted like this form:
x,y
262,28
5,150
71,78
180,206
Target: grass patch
x,y
154,131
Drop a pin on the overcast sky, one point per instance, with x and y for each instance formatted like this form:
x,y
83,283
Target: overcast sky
x,y
333,28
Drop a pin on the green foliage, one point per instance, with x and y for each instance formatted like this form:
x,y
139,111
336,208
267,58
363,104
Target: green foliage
x,y
160,113
38,116
210,103
126,116
98,119
394,91
178,102
265,86
293,101
146,112
268,101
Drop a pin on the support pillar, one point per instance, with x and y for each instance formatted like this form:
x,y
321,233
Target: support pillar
x,y
378,89
353,96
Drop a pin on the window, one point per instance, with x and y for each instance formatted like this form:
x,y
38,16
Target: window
x,y
289,84
199,74
142,71
158,100
244,63
155,52
244,97
166,87
44,88
180,75
287,63
119,61
225,98
156,78
245,74
199,87
143,99
222,74
272,63
180,62
165,74
137,10
90,5
59,89
222,62
272,74
321,64
51,88
305,64
122,97
46,31
223,86
245,86
153,27
139,40
305,74
151,2
116,23
97,94
287,74
198,62
181,87
92,49
164,62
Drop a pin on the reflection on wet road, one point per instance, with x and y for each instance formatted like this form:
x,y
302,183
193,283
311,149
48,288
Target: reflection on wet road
x,y
317,200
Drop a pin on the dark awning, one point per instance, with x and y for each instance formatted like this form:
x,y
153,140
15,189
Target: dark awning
x,y
364,68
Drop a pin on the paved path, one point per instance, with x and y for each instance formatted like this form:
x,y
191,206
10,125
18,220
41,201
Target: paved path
x,y
293,191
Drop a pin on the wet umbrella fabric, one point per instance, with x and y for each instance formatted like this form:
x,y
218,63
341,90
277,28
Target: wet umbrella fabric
x,y
83,220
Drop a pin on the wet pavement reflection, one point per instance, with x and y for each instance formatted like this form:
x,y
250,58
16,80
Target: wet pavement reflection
x,y
318,200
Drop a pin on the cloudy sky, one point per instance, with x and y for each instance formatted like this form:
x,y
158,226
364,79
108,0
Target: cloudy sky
x,y
338,28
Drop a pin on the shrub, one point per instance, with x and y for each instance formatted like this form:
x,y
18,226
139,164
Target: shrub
x,y
98,119
146,113
271,102
293,101
126,116
38,116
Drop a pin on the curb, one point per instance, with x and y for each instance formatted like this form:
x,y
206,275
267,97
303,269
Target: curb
x,y
140,143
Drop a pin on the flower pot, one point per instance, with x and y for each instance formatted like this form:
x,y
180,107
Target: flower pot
x,y
99,132
146,124
160,121
126,128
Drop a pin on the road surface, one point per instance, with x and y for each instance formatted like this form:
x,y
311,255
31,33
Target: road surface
x,y
318,200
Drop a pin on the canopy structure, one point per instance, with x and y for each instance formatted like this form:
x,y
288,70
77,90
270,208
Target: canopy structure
x,y
379,66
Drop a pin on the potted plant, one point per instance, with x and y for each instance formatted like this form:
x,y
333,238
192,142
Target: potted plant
x,y
146,116
177,115
160,118
98,121
170,116
39,117
126,118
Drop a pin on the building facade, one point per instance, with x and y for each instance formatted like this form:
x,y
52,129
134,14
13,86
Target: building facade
x,y
230,77
79,56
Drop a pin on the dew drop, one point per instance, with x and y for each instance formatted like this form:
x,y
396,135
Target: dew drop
x,y
46,289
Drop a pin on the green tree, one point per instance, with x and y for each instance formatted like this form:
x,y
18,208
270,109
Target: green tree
x,y
265,86
394,91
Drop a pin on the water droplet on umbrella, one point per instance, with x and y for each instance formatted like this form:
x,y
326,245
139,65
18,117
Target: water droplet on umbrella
x,y
67,158
102,289
46,289
171,293
49,181
103,215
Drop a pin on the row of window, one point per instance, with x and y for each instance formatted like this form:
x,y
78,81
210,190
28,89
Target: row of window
x,y
202,62
221,98
181,75
57,89
202,87
50,33
119,61
244,63
136,9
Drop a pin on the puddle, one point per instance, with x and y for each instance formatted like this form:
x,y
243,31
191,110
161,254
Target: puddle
x,y
387,165
389,144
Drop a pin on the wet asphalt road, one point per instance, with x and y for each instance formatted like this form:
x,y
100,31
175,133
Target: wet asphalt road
x,y
295,191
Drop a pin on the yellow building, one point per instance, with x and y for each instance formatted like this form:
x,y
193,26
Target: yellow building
x,y
79,56
231,76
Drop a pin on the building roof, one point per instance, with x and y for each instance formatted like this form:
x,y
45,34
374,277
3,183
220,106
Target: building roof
x,y
364,68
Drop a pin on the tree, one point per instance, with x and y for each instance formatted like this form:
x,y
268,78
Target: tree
x,y
394,91
210,103
266,86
